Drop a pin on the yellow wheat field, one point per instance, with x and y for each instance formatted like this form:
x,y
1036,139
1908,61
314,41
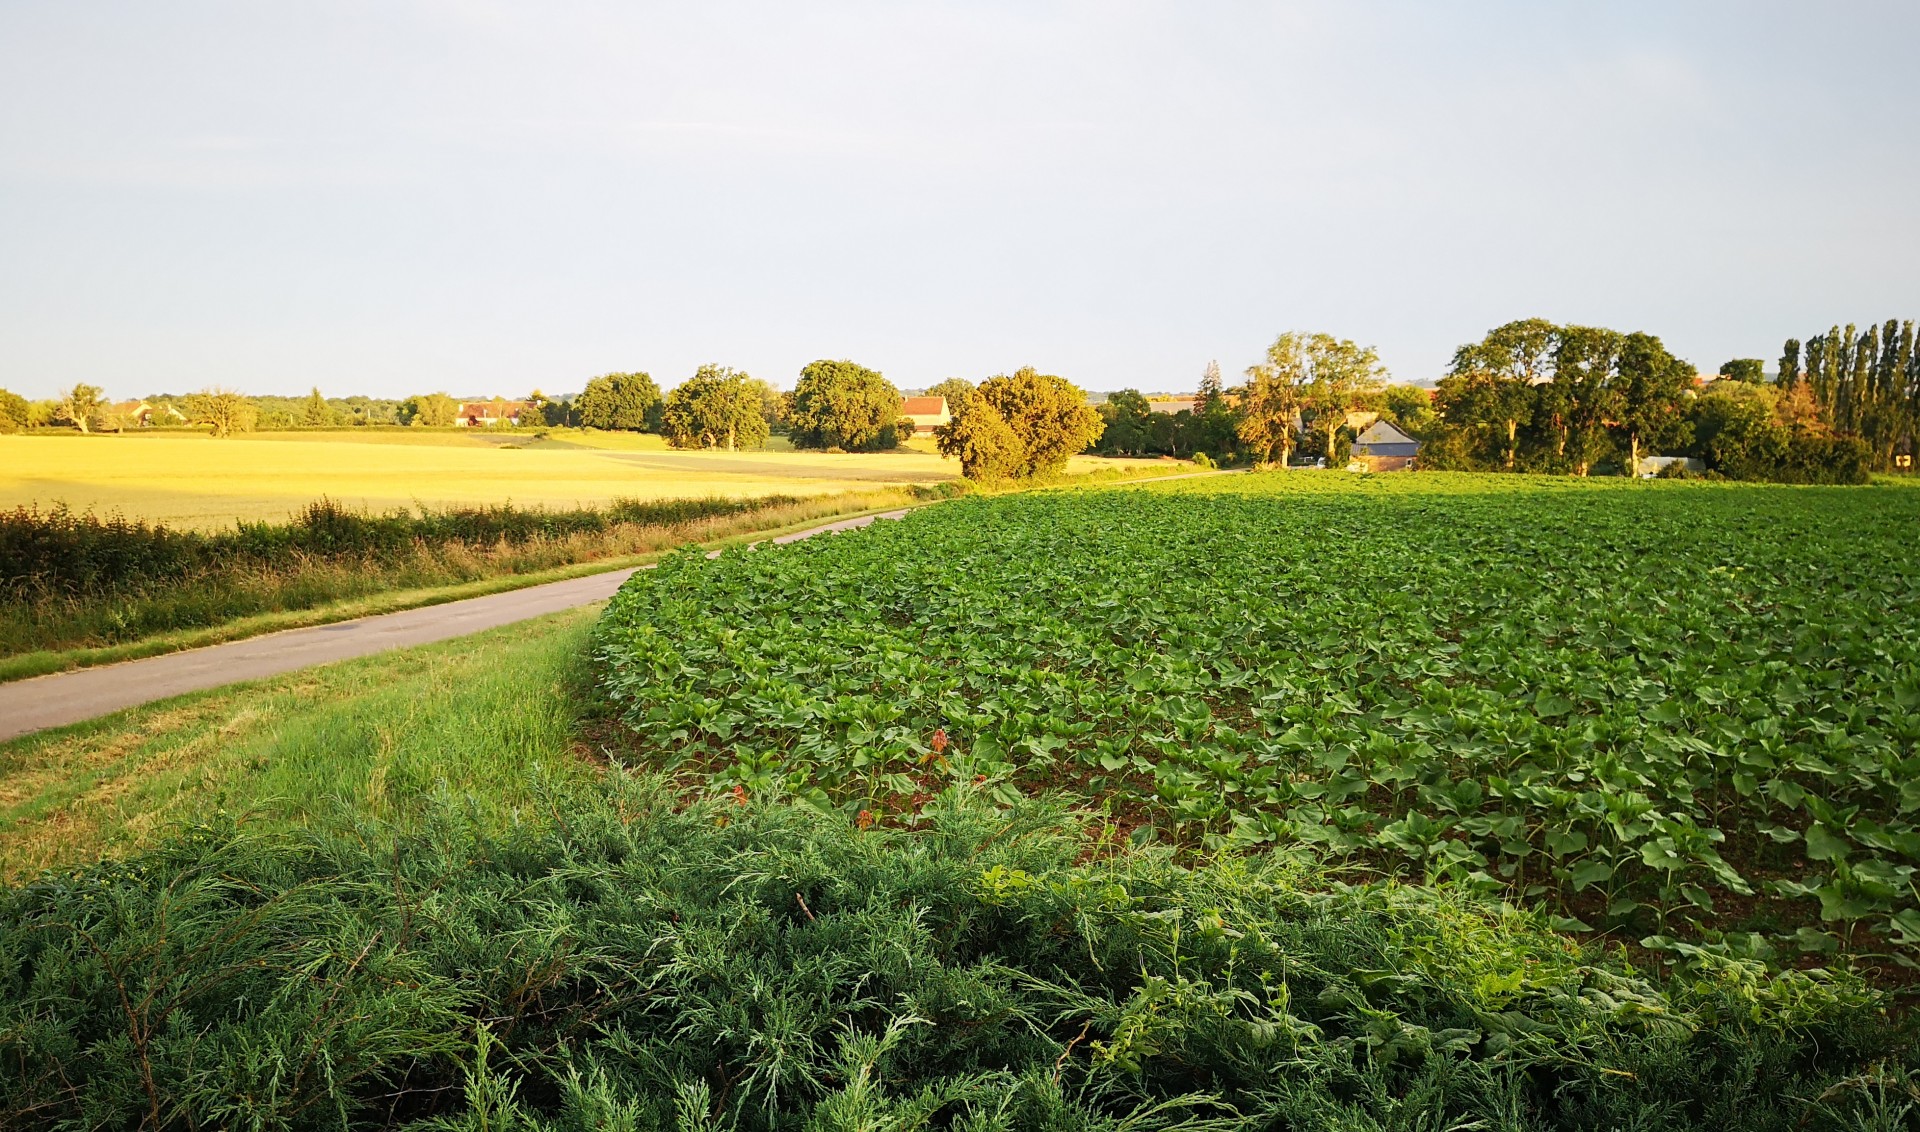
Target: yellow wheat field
x,y
189,479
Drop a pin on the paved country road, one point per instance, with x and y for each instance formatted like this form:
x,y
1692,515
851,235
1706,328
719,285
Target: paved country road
x,y
69,697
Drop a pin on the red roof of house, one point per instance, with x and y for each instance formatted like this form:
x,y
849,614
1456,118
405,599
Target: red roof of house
x,y
486,408
922,406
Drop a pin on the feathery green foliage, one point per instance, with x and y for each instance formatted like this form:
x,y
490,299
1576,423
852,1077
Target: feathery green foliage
x,y
631,965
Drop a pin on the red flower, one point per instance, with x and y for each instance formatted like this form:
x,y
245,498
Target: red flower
x,y
865,820
939,740
739,795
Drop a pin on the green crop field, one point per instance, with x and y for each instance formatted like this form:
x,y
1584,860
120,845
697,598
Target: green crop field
x,y
189,480
1676,715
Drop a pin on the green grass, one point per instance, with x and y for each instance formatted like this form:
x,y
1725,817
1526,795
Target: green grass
x,y
380,735
1679,716
626,963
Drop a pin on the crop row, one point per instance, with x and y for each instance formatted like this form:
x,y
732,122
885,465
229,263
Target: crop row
x,y
1682,714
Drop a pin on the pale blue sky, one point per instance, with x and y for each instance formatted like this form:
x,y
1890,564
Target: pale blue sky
x,y
394,197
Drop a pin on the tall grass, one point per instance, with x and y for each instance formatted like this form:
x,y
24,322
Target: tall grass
x,y
761,967
72,580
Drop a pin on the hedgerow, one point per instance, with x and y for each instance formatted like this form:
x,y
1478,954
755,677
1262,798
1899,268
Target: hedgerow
x,y
60,551
629,965
80,579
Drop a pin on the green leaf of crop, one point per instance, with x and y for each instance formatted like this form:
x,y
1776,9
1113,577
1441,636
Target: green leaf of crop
x,y
1589,873
1546,705
1822,845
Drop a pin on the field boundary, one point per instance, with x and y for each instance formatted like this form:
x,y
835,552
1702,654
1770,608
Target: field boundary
x,y
26,666
29,665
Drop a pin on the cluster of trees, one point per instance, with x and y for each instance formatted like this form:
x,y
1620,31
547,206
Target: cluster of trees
x,y
835,406
1294,404
1538,396
1535,396
1865,384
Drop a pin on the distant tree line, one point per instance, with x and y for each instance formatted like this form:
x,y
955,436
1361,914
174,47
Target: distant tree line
x,y
1301,401
1535,396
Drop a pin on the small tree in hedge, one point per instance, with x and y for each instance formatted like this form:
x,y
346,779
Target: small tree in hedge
x,y
844,405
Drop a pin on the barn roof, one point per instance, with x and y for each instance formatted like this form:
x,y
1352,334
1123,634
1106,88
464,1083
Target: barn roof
x,y
923,406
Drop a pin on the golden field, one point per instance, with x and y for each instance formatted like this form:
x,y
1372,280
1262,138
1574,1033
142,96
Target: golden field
x,y
191,480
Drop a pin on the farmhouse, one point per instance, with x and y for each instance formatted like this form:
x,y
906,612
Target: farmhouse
x,y
139,414
1390,449
926,413
481,414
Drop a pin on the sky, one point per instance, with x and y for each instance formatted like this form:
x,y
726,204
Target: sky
x,y
483,198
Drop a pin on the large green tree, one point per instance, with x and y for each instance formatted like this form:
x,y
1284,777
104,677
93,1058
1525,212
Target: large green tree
x,y
1047,416
15,413
80,405
717,407
1789,364
314,411
1753,371
843,405
1585,367
628,402
1213,426
1333,376
954,389
1270,400
1493,386
224,412
980,438
1490,402
1651,388
1410,407
1129,423
429,410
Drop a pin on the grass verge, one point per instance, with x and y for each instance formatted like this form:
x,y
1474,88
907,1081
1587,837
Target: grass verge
x,y
507,572
377,735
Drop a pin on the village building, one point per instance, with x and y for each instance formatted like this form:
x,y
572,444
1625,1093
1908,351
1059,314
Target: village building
x,y
1385,447
484,414
926,413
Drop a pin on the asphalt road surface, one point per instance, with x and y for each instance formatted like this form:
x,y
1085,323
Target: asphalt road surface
x,y
69,697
